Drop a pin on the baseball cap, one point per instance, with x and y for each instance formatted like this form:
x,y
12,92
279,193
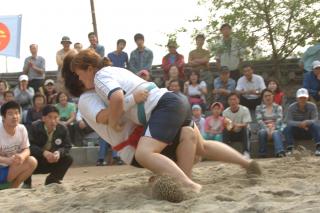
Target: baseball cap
x,y
196,106
49,81
23,78
302,93
65,39
315,64
217,104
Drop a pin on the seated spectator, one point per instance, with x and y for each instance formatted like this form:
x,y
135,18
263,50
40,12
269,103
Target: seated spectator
x,y
78,46
174,75
174,86
269,117
302,117
142,57
8,96
173,58
119,58
278,95
249,87
81,129
311,81
103,152
198,119
16,164
67,113
35,113
196,90
240,117
214,124
49,91
3,88
144,74
223,86
23,95
50,145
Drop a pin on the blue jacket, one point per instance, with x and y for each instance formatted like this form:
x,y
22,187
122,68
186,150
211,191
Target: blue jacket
x,y
312,84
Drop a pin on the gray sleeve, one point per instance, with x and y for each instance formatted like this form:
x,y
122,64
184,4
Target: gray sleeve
x,y
313,113
290,119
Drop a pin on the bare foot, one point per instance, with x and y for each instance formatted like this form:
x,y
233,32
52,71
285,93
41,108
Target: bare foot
x,y
254,168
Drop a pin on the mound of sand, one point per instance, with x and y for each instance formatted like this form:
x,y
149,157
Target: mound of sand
x,y
286,185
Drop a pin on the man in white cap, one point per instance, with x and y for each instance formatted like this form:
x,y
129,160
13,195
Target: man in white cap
x,y
301,121
311,82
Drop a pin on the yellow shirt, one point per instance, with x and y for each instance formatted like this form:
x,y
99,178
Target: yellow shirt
x,y
199,54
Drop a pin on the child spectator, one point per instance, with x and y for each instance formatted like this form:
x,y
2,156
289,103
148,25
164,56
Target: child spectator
x,y
274,86
8,96
35,113
214,124
198,119
196,90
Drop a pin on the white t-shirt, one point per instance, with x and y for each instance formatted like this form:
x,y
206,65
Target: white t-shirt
x,y
196,90
109,79
256,83
242,116
90,104
13,144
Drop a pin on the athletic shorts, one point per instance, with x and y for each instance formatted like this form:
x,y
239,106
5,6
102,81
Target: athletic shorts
x,y
171,113
4,171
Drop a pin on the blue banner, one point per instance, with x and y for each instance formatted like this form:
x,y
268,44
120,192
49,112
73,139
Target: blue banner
x,y
10,34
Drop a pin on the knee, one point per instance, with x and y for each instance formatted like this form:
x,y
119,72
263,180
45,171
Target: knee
x,y
31,162
67,160
188,134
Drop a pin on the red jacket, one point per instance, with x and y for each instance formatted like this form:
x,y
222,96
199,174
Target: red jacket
x,y
179,62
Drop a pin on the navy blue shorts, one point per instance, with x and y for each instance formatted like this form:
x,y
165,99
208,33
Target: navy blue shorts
x,y
171,113
4,171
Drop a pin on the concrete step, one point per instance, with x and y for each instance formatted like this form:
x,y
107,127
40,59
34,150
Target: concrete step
x,y
84,155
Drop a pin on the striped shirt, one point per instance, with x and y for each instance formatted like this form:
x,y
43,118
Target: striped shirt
x,y
295,116
263,117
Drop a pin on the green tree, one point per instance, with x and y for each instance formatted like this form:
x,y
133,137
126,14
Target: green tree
x,y
273,29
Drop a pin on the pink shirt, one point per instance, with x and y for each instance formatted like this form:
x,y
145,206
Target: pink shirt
x,y
214,125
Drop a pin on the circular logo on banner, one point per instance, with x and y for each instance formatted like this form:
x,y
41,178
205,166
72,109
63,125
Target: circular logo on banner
x,y
4,36
58,141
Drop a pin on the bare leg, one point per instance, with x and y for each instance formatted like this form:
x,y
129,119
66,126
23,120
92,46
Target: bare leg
x,y
19,173
186,150
148,155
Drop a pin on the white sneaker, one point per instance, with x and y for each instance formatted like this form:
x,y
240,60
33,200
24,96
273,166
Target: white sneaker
x,y
246,154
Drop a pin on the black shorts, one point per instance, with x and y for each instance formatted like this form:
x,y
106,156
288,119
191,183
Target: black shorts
x,y
171,113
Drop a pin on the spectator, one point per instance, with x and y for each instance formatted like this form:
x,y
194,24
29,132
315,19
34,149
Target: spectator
x,y
103,152
50,145
214,124
142,57
23,95
3,88
199,61
144,74
229,52
269,117
250,86
174,75
119,58
174,86
198,119
173,58
310,55
16,164
67,113
77,46
278,95
223,86
66,42
81,130
95,45
196,90
34,67
35,112
240,117
49,91
8,96
311,82
302,117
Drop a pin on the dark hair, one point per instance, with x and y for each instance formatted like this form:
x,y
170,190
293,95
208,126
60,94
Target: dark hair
x,y
233,94
90,34
246,66
138,36
48,109
39,95
225,25
32,45
200,36
197,74
59,94
5,83
9,105
173,81
264,91
277,83
121,41
8,92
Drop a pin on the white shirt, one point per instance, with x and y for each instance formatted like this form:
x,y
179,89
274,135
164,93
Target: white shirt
x,y
13,144
242,116
256,83
90,104
193,91
109,79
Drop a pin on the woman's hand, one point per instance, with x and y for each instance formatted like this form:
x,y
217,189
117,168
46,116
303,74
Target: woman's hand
x,y
140,96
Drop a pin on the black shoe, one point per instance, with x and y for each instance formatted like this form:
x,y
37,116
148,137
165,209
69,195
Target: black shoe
x,y
26,186
52,181
289,150
101,163
118,161
281,154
